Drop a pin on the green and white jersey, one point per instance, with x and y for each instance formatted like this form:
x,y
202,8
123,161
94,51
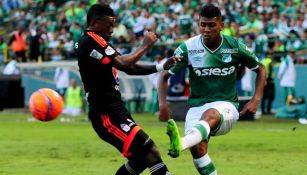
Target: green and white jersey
x,y
212,74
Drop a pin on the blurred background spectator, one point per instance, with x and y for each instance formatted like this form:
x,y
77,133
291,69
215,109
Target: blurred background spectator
x,y
3,51
73,99
265,25
269,88
18,43
61,80
287,76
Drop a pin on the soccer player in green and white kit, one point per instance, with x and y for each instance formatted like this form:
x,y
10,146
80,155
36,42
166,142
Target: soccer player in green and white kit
x,y
212,60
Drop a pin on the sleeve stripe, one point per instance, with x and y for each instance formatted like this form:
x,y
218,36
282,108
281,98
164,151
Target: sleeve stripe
x,y
255,68
180,49
98,39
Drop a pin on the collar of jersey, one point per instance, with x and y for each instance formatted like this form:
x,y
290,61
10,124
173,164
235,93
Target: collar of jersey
x,y
98,33
202,42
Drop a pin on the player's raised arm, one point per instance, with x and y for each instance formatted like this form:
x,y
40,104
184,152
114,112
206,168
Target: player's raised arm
x,y
124,61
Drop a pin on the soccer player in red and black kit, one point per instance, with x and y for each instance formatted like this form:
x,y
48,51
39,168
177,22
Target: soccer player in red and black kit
x,y
98,62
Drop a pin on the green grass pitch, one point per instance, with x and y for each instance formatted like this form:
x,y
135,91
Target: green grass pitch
x,y
267,146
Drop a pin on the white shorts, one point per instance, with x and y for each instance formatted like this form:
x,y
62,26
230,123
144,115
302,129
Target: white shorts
x,y
229,115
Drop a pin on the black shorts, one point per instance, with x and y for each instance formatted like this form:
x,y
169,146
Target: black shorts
x,y
119,129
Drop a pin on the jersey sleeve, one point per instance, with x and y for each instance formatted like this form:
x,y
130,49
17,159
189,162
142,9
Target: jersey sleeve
x,y
180,51
248,58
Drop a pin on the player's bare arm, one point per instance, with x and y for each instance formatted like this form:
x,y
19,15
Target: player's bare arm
x,y
139,69
252,105
170,62
125,61
164,111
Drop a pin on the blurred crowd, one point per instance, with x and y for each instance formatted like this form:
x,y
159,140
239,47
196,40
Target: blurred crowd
x,y
48,29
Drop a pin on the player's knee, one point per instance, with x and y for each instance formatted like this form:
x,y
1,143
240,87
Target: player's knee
x,y
212,116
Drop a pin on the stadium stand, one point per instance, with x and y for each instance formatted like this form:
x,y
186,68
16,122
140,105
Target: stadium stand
x,y
56,25
53,27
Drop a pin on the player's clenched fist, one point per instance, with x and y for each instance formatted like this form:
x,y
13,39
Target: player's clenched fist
x,y
172,61
149,39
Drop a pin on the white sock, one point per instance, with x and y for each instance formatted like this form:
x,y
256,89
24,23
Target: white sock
x,y
205,166
197,134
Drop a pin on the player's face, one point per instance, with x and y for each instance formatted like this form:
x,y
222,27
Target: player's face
x,y
105,26
210,28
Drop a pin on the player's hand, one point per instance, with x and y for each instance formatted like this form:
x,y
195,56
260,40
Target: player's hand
x,y
172,61
164,113
149,39
250,107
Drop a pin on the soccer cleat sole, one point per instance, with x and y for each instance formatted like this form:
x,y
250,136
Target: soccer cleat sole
x,y
175,139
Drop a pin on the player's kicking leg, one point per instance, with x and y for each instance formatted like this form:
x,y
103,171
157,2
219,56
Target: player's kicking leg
x,y
198,133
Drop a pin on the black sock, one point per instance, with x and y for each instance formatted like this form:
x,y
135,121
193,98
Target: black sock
x,y
159,169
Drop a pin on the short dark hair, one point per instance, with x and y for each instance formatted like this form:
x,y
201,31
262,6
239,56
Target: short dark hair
x,y
210,11
99,11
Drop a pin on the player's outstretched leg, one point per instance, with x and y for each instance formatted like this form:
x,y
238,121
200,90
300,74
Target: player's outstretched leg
x,y
196,134
175,138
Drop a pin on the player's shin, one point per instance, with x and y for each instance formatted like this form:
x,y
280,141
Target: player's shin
x,y
126,169
205,166
197,134
154,162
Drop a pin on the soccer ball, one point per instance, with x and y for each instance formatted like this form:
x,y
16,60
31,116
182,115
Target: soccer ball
x,y
46,104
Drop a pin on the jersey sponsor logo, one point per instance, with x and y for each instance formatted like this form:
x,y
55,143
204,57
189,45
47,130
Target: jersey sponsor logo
x,y
95,54
214,71
178,51
109,51
226,58
229,51
193,52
